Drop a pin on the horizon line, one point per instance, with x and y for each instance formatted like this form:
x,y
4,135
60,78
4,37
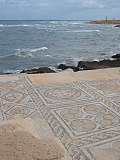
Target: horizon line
x,y
55,19
44,20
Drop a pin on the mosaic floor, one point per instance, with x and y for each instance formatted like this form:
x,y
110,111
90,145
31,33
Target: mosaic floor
x,y
84,115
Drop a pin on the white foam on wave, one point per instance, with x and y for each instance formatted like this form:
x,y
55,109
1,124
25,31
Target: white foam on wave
x,y
81,31
12,71
47,55
29,52
1,25
53,22
96,59
38,49
71,61
76,23
14,25
68,70
73,22
76,60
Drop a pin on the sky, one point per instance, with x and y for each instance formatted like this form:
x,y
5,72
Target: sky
x,y
59,9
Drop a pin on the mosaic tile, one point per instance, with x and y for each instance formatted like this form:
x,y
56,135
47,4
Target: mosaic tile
x,y
106,151
84,115
107,88
83,120
63,93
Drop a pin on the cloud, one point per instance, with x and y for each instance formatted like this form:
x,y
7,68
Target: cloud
x,y
92,4
63,3
59,8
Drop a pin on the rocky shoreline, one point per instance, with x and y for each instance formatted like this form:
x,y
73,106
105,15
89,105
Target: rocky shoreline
x,y
39,70
116,22
81,66
87,65
113,22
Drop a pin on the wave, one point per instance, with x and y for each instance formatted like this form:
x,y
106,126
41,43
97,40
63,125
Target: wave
x,y
76,23
38,49
8,57
1,25
71,61
81,31
23,25
38,26
24,53
72,22
14,25
53,22
29,52
76,60
11,71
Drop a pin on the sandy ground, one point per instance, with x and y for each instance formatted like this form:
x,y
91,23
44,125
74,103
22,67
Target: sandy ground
x,y
19,141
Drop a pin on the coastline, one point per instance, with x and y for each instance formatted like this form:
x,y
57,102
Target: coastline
x,y
68,77
113,62
105,22
78,41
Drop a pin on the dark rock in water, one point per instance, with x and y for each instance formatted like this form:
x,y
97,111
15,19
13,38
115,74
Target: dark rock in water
x,y
86,65
64,67
98,65
117,25
82,65
39,70
6,73
117,56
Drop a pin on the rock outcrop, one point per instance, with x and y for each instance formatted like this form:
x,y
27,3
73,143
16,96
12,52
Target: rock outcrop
x,y
87,65
117,25
116,56
117,22
39,70
64,67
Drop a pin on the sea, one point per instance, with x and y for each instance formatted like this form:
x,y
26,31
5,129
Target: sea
x,y
34,44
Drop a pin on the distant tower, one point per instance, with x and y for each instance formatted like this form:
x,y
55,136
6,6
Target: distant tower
x,y
106,18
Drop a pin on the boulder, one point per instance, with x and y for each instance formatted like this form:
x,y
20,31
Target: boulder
x,y
98,64
117,25
39,70
116,56
64,67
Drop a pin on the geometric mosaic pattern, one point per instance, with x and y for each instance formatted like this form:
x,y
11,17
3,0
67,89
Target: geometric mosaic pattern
x,y
14,99
84,115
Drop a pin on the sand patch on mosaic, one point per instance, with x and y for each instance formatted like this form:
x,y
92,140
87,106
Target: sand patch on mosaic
x,y
22,143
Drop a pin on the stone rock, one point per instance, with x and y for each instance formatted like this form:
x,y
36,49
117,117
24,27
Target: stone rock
x,y
87,65
98,65
39,70
82,65
117,56
117,25
64,67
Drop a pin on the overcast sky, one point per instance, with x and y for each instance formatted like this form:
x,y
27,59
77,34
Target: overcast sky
x,y
59,9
